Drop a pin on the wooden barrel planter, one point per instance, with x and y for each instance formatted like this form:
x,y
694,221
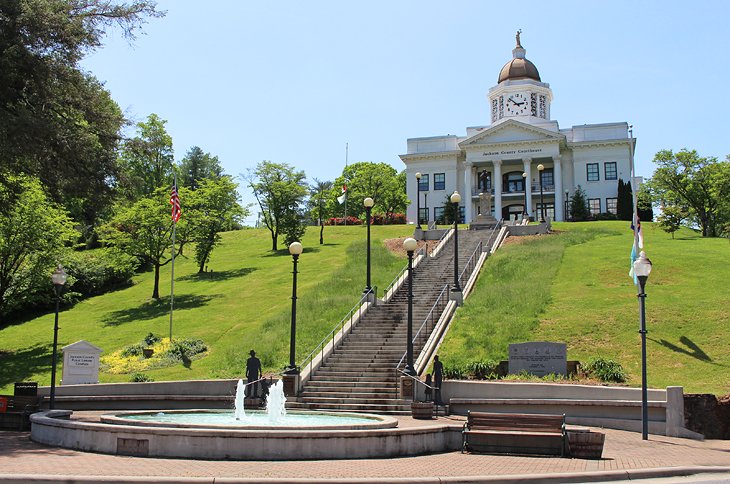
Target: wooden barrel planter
x,y
422,410
586,445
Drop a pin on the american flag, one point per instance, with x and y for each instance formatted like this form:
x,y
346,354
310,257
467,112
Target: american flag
x,y
175,202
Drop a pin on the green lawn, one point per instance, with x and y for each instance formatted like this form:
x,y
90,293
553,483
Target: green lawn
x,y
574,287
571,287
245,303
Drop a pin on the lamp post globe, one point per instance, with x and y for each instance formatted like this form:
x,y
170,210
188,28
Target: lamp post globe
x,y
295,249
59,280
642,269
456,199
368,203
418,200
540,168
524,186
410,245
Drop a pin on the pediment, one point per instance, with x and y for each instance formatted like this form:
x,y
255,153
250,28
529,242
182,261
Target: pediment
x,y
82,346
511,131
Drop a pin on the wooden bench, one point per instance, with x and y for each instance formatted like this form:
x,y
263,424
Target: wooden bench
x,y
17,413
514,433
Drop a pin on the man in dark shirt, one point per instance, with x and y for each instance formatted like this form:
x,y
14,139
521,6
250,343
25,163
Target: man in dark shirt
x,y
438,376
253,373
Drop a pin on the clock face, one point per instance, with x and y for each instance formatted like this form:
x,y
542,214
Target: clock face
x,y
517,104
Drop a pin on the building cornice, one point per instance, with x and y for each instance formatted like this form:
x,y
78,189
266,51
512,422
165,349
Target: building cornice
x,y
434,155
548,135
578,145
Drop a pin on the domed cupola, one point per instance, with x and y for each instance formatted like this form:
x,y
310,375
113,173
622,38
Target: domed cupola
x,y
519,67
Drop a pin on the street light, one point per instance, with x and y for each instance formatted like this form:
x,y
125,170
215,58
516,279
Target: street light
x,y
59,279
368,202
524,185
455,199
418,200
642,269
295,249
541,167
410,245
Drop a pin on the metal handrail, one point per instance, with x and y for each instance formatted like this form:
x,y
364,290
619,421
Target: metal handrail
x,y
471,262
418,380
436,248
428,317
339,327
390,290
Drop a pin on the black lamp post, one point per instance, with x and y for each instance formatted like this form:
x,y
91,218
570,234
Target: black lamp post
x,y
59,279
295,249
368,202
524,185
425,207
541,167
642,269
455,199
418,200
410,245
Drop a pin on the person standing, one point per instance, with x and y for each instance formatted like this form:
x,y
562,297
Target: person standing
x,y
253,373
438,376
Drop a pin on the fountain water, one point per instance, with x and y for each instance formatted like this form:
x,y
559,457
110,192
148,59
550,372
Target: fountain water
x,y
240,412
276,402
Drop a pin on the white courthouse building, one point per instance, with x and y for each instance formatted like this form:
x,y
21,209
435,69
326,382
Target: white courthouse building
x,y
502,158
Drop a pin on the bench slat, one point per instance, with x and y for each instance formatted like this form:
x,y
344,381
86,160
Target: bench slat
x,y
514,433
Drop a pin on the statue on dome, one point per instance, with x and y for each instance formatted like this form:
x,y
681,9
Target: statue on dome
x,y
519,31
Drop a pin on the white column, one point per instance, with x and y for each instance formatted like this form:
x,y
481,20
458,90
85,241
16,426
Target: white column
x,y
527,168
559,195
497,183
466,196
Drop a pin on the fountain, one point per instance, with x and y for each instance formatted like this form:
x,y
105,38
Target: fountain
x,y
273,434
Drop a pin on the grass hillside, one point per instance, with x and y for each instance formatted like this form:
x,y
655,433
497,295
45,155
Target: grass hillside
x,y
574,287
244,303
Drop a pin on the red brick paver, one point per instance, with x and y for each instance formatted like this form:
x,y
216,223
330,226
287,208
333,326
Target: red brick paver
x,y
622,451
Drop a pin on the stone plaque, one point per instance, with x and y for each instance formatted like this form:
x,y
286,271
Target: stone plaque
x,y
80,363
538,358
485,204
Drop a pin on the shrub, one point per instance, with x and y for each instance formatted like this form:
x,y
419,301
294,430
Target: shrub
x,y
389,219
151,339
605,216
482,370
140,377
605,370
133,350
341,221
185,349
97,271
454,372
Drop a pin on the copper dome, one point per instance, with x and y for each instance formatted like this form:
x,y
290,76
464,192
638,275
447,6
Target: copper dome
x,y
519,67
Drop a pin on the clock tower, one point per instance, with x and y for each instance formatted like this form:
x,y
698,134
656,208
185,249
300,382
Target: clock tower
x,y
520,94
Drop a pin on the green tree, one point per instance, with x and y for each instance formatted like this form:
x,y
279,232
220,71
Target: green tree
x,y
280,191
319,191
671,218
644,201
702,184
58,123
579,205
211,209
380,181
147,159
625,202
197,166
144,230
449,213
34,232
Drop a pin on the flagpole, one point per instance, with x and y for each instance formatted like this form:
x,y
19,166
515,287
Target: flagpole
x,y
172,276
634,215
347,149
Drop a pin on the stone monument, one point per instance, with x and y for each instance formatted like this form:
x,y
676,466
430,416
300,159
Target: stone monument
x,y
538,358
80,363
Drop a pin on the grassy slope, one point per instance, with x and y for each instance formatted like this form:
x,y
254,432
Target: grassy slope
x,y
244,304
578,291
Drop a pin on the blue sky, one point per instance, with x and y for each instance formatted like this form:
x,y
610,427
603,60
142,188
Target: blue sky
x,y
295,81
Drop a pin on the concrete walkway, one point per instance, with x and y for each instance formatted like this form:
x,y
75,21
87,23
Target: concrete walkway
x,y
625,457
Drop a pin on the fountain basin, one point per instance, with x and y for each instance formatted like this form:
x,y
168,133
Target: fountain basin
x,y
60,429
253,420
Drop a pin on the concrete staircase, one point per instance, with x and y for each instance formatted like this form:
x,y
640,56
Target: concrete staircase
x,y
360,374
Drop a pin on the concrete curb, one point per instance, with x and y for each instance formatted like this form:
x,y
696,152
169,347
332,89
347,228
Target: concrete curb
x,y
567,477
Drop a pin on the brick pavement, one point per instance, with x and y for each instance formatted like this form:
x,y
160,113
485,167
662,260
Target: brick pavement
x,y
623,451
